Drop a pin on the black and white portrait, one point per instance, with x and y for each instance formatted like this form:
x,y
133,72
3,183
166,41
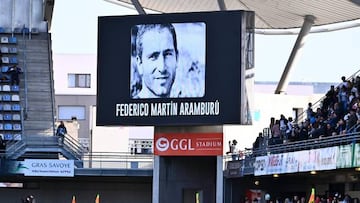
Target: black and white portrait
x,y
168,60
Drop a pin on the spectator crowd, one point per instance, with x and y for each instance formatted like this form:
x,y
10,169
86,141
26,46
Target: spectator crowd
x,y
337,114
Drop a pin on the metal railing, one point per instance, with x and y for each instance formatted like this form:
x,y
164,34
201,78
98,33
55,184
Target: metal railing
x,y
72,146
37,143
247,157
118,160
127,160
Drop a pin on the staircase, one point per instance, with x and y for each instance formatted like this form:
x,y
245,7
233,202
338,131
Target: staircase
x,y
37,100
38,96
46,147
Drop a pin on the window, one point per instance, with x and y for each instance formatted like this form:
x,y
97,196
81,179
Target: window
x,y
79,80
70,112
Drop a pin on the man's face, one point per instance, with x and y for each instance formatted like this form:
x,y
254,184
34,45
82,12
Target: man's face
x,y
158,61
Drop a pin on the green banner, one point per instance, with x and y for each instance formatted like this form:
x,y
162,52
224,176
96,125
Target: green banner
x,y
356,155
344,156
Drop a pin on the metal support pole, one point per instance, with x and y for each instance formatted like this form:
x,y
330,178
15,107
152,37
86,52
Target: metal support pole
x,y
156,179
219,179
138,7
299,44
222,5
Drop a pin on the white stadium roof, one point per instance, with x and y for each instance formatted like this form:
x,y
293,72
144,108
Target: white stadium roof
x,y
271,17
270,14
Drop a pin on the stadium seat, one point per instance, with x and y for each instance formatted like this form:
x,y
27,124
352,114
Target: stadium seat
x,y
13,50
17,30
6,88
7,117
15,107
12,40
1,126
1,107
4,50
6,97
4,40
8,136
8,126
34,30
2,30
15,88
17,136
7,107
15,97
4,69
5,59
16,117
1,117
17,126
13,60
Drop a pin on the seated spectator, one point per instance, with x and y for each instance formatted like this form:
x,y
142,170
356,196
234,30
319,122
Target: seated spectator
x,y
329,130
340,127
294,135
304,131
351,121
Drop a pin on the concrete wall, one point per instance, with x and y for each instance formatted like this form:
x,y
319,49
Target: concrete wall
x,y
19,13
178,174
77,100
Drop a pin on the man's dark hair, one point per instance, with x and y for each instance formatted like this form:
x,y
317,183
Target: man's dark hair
x,y
142,29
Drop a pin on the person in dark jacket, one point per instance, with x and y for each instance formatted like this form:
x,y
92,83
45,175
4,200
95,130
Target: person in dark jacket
x,y
61,131
14,72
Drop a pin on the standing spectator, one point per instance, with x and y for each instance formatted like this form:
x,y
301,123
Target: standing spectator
x,y
309,111
283,126
234,150
14,72
290,127
344,82
343,98
275,133
61,132
258,142
331,97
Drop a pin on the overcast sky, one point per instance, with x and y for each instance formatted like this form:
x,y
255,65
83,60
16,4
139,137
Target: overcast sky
x,y
325,57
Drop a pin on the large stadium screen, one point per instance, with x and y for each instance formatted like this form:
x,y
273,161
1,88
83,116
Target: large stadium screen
x,y
171,69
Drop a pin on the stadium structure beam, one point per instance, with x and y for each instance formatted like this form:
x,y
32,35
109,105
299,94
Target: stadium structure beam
x,y
222,5
138,7
299,44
